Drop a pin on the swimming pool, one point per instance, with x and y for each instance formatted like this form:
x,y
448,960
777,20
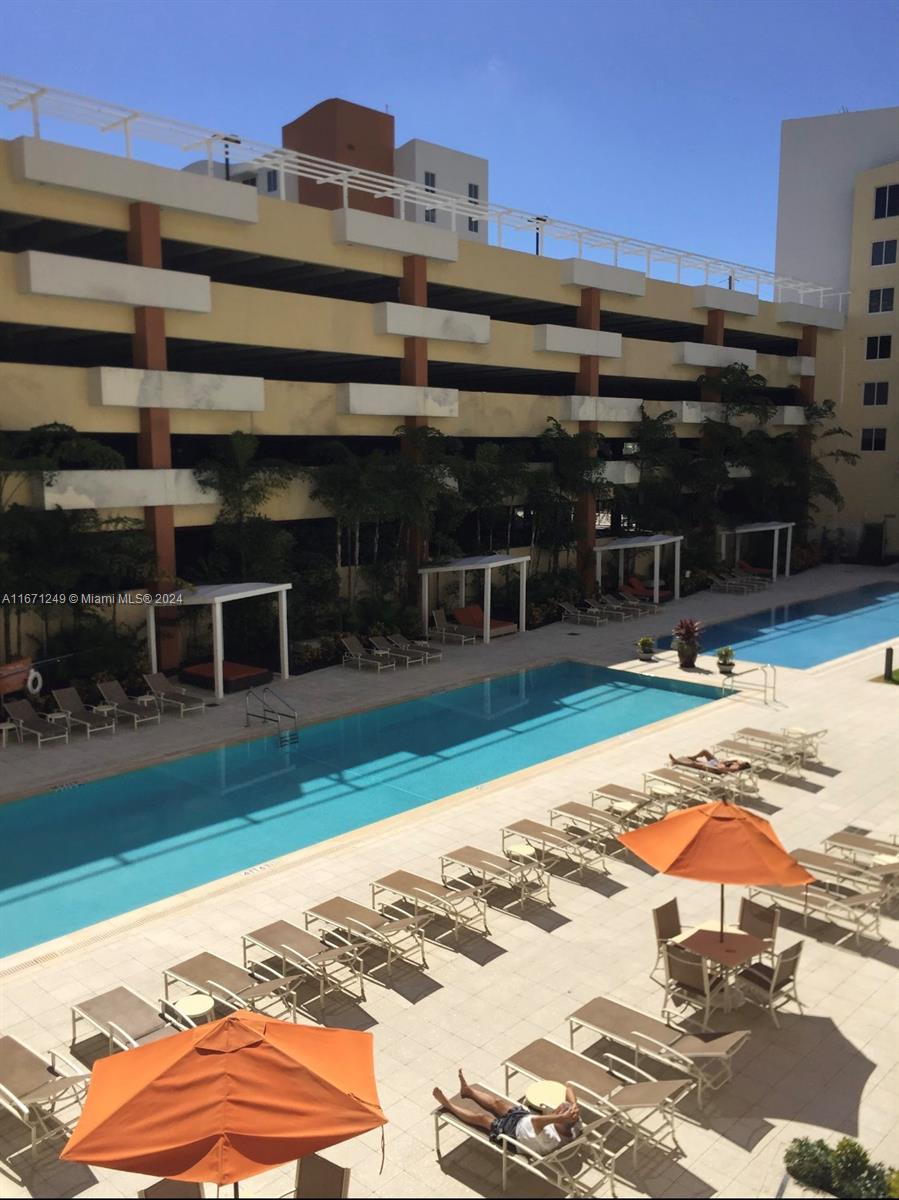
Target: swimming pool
x,y
83,854
811,632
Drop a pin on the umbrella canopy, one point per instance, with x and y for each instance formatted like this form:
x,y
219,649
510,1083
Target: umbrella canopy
x,y
228,1100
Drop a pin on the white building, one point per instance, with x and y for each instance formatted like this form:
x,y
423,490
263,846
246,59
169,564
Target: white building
x,y
445,170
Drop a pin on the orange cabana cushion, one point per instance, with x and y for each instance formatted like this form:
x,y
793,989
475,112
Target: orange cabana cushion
x,y
473,616
14,676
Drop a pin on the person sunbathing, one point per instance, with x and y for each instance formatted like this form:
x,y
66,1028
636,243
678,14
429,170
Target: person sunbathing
x,y
541,1134
706,761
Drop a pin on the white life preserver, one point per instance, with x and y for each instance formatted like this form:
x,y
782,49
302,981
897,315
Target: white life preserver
x,y
34,683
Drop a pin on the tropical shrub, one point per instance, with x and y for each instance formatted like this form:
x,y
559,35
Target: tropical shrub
x,y
845,1170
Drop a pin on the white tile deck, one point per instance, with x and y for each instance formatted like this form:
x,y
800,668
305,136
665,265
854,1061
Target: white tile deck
x,y
834,1070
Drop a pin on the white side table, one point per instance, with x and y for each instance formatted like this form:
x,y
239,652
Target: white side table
x,y
58,716
7,727
521,852
545,1095
198,1007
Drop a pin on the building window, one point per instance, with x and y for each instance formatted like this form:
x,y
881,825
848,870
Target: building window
x,y
271,181
886,201
249,180
883,253
430,185
880,300
879,347
431,215
474,194
877,393
874,439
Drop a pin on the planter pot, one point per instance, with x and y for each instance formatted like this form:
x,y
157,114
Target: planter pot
x,y
645,657
687,656
726,668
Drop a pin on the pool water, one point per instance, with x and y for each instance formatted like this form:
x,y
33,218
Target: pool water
x,y
812,632
86,853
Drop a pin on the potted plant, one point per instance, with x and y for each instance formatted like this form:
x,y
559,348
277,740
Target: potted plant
x,y
726,660
645,648
686,641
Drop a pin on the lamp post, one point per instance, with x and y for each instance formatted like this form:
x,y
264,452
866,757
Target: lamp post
x,y
538,232
228,139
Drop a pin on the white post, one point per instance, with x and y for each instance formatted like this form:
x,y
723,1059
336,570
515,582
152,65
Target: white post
x,y
737,548
282,628
677,569
621,568
599,570
723,544
461,589
218,650
424,602
151,639
487,590
655,572
522,594
789,550
774,555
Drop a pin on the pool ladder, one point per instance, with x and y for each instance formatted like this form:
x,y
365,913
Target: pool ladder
x,y
269,706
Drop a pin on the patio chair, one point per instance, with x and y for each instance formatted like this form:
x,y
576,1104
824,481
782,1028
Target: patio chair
x,y
446,630
332,968
318,1178
706,1058
583,849
173,1189
859,910
45,1096
859,845
586,818
646,602
27,721
723,583
579,616
69,702
689,981
178,697
127,1020
360,926
492,871
232,986
759,921
122,706
683,782
470,619
403,643
644,592
612,610
667,926
773,986
357,656
408,658
628,806
463,907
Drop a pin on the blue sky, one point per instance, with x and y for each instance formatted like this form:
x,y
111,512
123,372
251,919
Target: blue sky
x,y
660,120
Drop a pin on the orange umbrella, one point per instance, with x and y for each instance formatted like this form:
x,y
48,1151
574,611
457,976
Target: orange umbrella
x,y
719,843
228,1100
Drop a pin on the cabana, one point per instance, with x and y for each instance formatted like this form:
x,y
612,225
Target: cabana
x,y
216,595
762,527
655,541
479,562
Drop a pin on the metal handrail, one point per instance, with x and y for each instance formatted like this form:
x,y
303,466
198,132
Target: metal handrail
x,y
263,713
765,686
286,710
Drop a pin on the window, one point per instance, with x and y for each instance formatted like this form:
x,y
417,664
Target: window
x,y
877,393
886,201
431,215
880,300
430,184
874,439
883,253
249,180
879,347
271,181
474,194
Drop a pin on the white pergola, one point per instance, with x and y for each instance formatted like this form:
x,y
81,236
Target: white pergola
x,y
217,594
762,527
654,540
479,562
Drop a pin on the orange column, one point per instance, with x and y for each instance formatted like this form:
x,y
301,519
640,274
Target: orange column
x,y
414,373
588,317
808,348
712,335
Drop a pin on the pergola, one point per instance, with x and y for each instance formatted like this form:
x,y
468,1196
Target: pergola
x,y
479,562
217,594
763,527
654,540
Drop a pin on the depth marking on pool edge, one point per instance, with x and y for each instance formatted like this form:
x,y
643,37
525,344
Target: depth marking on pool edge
x,y
255,870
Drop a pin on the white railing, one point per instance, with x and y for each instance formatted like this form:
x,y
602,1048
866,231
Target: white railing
x,y
40,103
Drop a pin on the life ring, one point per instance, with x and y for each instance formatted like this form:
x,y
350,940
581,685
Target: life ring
x,y
34,683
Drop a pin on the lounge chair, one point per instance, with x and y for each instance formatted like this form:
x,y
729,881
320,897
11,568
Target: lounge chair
x,y
178,697
723,583
860,877
464,907
231,985
318,1178
610,610
77,713
806,742
127,1020
689,981
27,721
493,871
859,845
859,910
122,706
471,620
446,630
408,658
583,849
586,818
358,925
172,1189
628,806
643,592
772,987
706,1058
45,1096
776,761
403,643
698,781
357,656
646,602
333,968
579,616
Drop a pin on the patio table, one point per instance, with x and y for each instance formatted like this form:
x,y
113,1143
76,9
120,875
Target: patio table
x,y
735,950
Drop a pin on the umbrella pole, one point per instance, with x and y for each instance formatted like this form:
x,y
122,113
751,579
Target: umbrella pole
x,y
721,930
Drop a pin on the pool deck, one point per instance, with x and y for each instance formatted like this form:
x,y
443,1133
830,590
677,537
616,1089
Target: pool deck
x,y
830,1072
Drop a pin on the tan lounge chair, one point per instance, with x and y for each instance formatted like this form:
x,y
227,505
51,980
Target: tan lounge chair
x,y
726,583
357,656
614,610
587,818
173,694
570,613
776,761
686,783
358,925
689,981
114,694
831,868
464,907
860,911
333,968
27,721
773,986
408,658
862,846
69,702
45,1096
446,630
127,1020
172,1189
403,643
493,871
807,742
231,985
552,846
318,1178
706,1058
628,806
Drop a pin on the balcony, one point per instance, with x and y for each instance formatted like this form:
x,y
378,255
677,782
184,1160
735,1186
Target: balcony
x,y
389,400
792,313
562,339
42,274
352,227
727,300
621,409
123,489
803,365
126,387
580,272
435,324
698,354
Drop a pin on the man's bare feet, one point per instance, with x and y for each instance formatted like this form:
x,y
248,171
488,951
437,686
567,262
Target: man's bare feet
x,y
464,1089
440,1097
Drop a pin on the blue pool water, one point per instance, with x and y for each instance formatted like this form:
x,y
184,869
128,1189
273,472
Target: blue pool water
x,y
806,634
87,853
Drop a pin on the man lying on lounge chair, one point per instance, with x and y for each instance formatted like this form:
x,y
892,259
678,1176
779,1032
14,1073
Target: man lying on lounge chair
x,y
541,1134
705,760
